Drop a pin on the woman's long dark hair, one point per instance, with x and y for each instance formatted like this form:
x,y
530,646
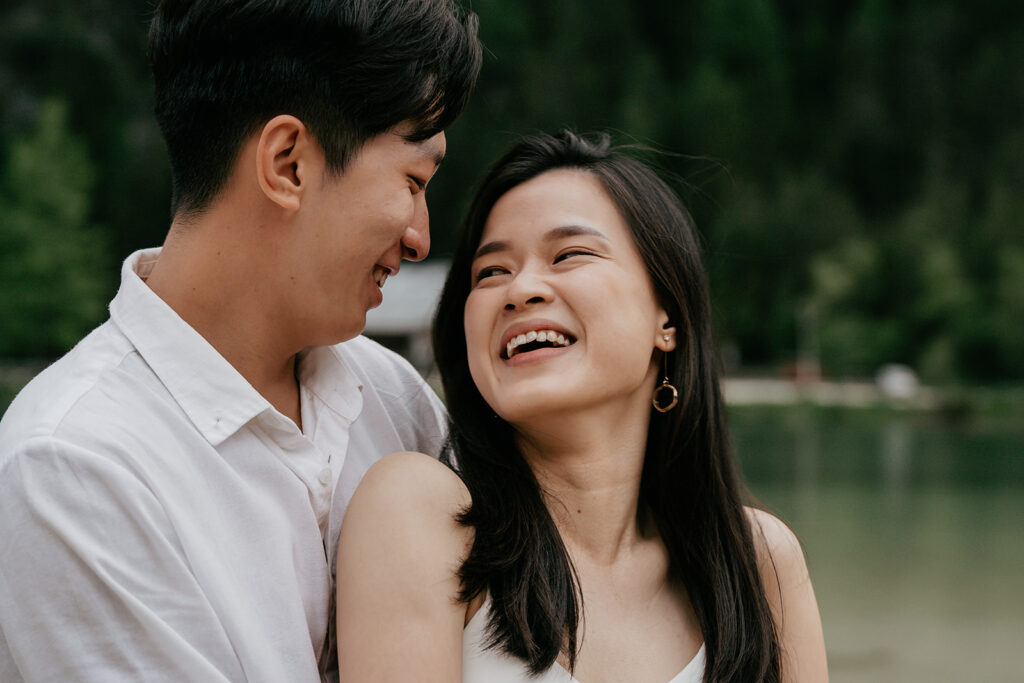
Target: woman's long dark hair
x,y
690,485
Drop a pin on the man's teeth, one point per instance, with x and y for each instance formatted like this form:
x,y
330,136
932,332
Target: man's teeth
x,y
549,336
380,276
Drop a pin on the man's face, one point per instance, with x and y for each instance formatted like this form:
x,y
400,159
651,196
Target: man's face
x,y
356,229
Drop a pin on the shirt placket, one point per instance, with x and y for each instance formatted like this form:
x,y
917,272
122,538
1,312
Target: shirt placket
x,y
312,465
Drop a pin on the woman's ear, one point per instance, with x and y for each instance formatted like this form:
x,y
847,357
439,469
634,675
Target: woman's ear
x,y
665,338
283,160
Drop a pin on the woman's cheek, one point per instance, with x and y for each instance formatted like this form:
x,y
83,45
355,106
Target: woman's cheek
x,y
477,346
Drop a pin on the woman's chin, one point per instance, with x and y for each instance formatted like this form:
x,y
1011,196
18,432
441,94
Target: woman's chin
x,y
547,411
531,411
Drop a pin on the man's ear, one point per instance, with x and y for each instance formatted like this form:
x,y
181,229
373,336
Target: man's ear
x,y
284,157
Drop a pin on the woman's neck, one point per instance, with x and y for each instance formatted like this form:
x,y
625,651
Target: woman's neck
x,y
589,468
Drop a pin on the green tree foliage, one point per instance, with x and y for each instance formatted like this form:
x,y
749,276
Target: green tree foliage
x,y
844,149
51,260
92,55
854,167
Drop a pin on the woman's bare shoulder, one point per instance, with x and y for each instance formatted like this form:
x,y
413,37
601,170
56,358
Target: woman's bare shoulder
x,y
787,585
775,542
399,553
413,499
416,479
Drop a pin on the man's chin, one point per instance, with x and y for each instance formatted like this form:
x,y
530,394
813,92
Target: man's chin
x,y
341,332
351,333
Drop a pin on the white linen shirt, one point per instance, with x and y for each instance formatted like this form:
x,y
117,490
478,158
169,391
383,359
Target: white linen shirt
x,y
161,521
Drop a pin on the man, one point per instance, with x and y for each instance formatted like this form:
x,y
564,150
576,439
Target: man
x,y
171,491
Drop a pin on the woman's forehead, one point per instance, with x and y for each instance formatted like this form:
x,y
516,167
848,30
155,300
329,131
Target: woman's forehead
x,y
571,201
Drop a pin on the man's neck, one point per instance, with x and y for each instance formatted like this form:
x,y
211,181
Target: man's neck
x,y
227,302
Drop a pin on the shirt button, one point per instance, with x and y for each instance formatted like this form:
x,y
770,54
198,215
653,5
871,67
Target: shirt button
x,y
325,476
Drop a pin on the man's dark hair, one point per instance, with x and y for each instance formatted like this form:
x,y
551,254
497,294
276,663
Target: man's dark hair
x,y
690,486
348,69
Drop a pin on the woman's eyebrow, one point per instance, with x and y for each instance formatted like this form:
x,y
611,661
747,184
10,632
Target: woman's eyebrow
x,y
572,231
551,235
490,248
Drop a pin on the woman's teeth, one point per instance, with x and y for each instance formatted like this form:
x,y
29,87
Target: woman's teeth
x,y
538,336
380,276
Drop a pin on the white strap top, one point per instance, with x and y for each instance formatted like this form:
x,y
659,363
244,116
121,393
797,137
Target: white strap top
x,y
481,665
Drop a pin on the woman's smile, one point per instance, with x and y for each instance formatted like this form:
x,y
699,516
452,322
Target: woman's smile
x,y
534,335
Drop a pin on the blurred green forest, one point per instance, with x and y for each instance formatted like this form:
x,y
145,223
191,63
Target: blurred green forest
x,y
855,168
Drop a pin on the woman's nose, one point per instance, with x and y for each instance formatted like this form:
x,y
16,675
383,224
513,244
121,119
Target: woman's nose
x,y
527,287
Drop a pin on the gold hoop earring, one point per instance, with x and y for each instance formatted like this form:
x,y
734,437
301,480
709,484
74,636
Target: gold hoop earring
x,y
665,385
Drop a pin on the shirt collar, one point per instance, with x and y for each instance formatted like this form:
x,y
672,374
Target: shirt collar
x,y
216,398
326,374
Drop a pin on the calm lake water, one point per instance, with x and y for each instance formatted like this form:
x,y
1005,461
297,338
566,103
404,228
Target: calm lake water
x,y
914,533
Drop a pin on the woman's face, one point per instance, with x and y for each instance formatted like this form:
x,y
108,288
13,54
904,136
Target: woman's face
x,y
562,315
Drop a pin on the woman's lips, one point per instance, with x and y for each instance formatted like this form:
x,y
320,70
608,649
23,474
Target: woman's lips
x,y
526,342
536,355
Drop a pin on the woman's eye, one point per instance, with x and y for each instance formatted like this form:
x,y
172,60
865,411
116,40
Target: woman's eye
x,y
421,185
487,272
573,252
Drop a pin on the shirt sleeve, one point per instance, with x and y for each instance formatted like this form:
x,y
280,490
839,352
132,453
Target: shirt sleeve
x,y
94,585
431,420
417,414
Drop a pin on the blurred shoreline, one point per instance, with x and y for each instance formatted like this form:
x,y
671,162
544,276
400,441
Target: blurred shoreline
x,y
946,402
747,391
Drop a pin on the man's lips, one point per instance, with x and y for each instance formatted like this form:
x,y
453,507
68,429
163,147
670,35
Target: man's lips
x,y
382,273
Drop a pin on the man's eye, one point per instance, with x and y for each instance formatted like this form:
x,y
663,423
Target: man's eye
x,y
421,185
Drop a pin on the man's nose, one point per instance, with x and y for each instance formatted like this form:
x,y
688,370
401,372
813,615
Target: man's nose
x,y
416,240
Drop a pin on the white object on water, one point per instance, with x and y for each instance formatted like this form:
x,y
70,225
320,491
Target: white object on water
x,y
897,381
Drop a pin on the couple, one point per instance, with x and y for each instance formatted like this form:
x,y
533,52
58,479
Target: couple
x,y
172,491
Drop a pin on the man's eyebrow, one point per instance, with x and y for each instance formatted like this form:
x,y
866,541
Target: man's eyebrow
x,y
551,235
432,152
437,155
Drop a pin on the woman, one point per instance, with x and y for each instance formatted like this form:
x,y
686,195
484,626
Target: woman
x,y
591,521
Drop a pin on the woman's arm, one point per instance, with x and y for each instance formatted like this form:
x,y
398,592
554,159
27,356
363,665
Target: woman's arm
x,y
791,596
399,618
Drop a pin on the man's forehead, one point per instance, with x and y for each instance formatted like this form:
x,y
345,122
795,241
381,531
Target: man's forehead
x,y
433,148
